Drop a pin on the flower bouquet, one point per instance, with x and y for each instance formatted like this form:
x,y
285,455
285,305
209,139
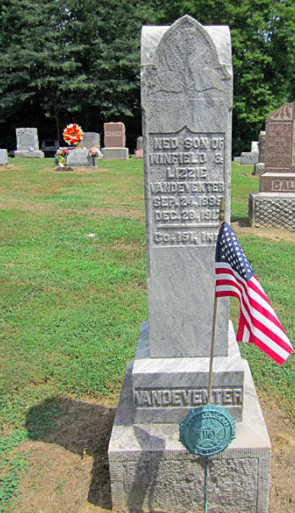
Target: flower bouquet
x,y
94,154
61,155
73,134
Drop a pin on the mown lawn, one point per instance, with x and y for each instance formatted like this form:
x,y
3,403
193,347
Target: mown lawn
x,y
73,291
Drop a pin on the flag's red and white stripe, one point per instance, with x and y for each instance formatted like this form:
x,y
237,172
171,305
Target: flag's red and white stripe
x,y
259,323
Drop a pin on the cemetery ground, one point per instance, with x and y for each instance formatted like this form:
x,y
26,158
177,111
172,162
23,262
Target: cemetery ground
x,y
73,296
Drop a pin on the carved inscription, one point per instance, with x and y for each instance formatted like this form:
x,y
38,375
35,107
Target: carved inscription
x,y
187,398
279,144
283,185
186,186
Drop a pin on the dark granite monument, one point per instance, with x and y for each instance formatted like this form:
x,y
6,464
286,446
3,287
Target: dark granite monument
x,y
274,205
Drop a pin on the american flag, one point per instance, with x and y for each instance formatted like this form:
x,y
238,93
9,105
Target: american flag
x,y
258,322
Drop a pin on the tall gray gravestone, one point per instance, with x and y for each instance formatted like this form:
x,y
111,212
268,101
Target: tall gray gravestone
x,y
186,87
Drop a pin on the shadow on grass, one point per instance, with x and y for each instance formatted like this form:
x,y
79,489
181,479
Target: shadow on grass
x,y
79,427
242,221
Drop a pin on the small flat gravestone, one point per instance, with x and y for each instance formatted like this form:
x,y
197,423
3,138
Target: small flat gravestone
x,y
274,205
91,140
3,157
27,143
114,142
79,158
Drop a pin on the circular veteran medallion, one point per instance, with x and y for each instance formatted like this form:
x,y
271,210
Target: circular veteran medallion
x,y
207,430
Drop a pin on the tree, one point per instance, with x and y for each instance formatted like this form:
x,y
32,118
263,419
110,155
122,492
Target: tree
x,y
70,61
263,40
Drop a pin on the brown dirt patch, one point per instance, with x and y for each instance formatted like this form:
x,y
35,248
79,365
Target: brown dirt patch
x,y
69,468
75,170
276,234
10,167
131,214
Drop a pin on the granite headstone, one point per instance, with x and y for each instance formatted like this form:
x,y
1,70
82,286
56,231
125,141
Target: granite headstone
x,y
274,205
114,142
79,158
3,157
27,143
262,138
91,140
186,90
139,148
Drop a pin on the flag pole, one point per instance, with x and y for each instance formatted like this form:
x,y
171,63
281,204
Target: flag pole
x,y
221,219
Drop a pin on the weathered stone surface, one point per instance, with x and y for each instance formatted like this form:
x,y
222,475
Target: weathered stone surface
x,y
259,169
186,89
115,153
249,158
114,135
151,470
166,389
271,210
27,143
262,139
91,140
3,157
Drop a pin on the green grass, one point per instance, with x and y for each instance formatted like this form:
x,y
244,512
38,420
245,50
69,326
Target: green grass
x,y
71,305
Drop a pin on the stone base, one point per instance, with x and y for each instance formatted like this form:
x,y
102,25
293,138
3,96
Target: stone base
x,y
115,153
150,470
249,158
272,210
259,169
35,154
166,389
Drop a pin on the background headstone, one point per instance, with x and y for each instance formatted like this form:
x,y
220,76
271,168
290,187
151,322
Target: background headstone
x,y
79,158
91,140
114,135
27,143
114,142
186,89
274,205
249,158
259,169
139,148
3,157
262,138
139,143
255,146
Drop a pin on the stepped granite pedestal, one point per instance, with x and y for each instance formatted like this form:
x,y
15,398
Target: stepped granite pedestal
x,y
151,470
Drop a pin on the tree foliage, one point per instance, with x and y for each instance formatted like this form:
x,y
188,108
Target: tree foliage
x,y
79,61
76,60
263,44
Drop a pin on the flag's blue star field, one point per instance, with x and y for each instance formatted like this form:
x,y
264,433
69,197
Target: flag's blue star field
x,y
229,251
